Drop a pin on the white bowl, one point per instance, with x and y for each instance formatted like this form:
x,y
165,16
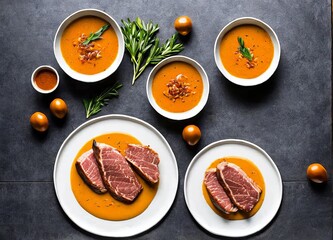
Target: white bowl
x,y
37,70
85,77
181,115
276,57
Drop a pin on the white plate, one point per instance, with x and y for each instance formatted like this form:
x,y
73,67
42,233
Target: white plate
x,y
202,212
147,135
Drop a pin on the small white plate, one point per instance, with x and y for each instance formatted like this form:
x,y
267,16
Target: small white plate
x,y
147,135
202,212
181,115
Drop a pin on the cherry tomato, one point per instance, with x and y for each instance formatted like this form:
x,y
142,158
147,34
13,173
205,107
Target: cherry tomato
x,y
39,122
183,25
191,134
317,173
58,108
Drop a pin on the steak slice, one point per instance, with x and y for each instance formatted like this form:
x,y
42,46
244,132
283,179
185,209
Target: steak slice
x,y
87,168
145,161
117,175
216,192
241,189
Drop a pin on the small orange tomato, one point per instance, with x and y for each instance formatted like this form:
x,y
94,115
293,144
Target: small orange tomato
x,y
183,25
316,173
58,108
39,122
191,134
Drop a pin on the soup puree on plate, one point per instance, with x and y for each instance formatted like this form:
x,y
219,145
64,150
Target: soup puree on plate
x,y
104,205
253,172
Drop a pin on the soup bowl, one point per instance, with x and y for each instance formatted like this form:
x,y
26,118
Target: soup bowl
x,y
59,55
39,70
182,114
276,52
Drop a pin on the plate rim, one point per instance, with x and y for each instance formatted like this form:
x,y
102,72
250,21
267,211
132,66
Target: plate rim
x,y
241,142
132,119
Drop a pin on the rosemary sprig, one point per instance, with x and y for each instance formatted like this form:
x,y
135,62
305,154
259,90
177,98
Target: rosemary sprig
x,y
243,50
169,48
144,47
94,105
96,35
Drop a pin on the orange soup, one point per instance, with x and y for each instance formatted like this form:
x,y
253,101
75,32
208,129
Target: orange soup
x,y
259,44
104,205
46,79
177,87
91,58
253,172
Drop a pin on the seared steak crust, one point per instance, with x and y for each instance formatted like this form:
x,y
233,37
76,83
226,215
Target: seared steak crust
x,y
216,192
241,189
87,168
145,161
117,175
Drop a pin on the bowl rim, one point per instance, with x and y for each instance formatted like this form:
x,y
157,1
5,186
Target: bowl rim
x,y
275,61
181,115
37,70
62,62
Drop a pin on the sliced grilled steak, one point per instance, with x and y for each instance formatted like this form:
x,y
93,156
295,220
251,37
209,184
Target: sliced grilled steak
x,y
216,192
117,175
145,161
87,167
241,189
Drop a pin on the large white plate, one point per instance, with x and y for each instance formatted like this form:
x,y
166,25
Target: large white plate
x,y
202,212
147,135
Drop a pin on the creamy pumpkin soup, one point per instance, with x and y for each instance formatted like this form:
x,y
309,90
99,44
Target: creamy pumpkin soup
x,y
89,45
177,87
104,205
253,172
246,51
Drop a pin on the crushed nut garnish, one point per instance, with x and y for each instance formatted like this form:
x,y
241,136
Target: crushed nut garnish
x,y
249,64
87,51
178,88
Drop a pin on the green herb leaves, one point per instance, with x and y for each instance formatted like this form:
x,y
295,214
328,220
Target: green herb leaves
x,y
144,47
94,105
243,50
169,48
96,35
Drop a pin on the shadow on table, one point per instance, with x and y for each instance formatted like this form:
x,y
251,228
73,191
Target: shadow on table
x,y
93,236
318,187
88,90
252,94
245,237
